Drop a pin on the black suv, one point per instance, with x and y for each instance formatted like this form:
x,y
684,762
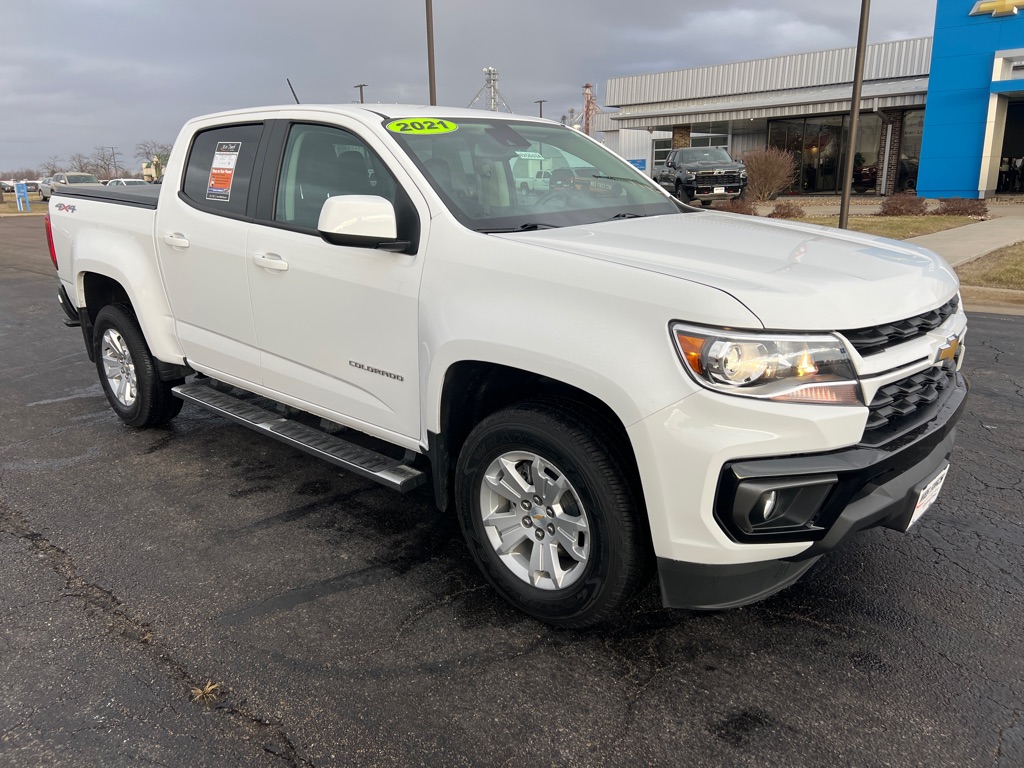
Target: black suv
x,y
701,173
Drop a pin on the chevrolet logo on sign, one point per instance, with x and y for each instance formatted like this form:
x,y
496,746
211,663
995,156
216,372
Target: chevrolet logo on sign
x,y
997,7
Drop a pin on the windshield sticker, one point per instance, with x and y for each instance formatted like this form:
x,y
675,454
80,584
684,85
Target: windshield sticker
x,y
222,172
421,126
530,155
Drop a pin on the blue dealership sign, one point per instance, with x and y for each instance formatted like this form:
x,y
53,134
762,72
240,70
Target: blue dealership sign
x,y
972,86
640,165
21,195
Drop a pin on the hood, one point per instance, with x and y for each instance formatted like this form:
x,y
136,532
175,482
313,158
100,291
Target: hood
x,y
792,276
710,165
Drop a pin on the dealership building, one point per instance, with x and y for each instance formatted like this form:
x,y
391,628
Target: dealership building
x,y
943,115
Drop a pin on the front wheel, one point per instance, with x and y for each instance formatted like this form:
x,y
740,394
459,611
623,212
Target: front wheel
x,y
128,371
550,514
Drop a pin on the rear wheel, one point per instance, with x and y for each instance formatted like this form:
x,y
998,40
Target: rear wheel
x,y
681,193
550,515
128,371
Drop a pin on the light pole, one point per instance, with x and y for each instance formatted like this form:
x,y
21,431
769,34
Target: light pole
x,y
540,105
430,52
858,81
360,86
113,159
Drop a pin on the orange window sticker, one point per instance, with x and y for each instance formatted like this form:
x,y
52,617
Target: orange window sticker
x,y
222,171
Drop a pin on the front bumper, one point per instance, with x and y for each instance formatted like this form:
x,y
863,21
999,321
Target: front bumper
x,y
869,487
706,192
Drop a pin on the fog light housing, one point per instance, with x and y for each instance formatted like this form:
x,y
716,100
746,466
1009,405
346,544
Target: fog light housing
x,y
770,507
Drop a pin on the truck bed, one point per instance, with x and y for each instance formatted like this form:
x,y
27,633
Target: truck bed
x,y
137,196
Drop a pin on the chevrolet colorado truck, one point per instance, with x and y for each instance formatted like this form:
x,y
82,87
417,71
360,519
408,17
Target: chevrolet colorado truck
x,y
705,174
601,382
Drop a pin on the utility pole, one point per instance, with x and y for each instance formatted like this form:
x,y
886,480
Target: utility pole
x,y
360,86
858,81
430,52
540,104
113,159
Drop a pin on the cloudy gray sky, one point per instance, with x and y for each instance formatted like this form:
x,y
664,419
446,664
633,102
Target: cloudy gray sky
x,y
84,73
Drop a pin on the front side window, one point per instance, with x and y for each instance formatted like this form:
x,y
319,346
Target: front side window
x,y
506,175
322,162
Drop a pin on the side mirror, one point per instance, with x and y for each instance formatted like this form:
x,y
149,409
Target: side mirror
x,y
362,221
670,164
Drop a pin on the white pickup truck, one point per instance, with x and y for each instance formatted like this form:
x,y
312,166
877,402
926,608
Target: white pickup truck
x,y
600,381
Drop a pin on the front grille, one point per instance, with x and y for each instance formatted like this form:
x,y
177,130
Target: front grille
x,y
878,338
904,405
711,179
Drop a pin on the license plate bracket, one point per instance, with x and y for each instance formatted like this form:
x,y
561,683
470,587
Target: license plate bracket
x,y
927,496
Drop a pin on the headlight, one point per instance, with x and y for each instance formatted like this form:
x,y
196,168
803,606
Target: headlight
x,y
743,174
784,367
690,175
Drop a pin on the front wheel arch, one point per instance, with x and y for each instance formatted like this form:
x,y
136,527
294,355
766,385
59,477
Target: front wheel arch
x,y
560,475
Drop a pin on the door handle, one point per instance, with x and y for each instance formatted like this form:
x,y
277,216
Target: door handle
x,y
176,241
270,261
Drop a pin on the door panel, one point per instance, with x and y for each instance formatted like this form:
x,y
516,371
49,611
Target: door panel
x,y
337,326
202,253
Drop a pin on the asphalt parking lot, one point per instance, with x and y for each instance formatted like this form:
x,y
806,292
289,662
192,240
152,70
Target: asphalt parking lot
x,y
347,625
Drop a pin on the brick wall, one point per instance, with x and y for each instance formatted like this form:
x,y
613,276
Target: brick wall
x,y
894,156
680,136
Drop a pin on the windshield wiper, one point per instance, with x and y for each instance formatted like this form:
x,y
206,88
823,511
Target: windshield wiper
x,y
620,178
627,215
528,227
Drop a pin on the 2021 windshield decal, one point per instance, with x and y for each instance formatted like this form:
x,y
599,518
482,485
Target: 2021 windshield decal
x,y
421,126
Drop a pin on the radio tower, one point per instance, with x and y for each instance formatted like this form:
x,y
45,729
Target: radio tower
x,y
491,88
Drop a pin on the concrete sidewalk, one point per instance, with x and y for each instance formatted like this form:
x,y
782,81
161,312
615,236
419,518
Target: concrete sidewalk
x,y
962,245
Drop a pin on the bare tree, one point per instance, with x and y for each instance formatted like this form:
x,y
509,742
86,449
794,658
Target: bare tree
x,y
80,163
145,150
104,163
51,165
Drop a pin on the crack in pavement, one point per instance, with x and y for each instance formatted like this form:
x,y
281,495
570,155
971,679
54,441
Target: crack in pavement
x,y
136,633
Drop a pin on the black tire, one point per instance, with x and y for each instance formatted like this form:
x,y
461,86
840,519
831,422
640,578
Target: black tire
x,y
706,203
681,193
122,355
599,496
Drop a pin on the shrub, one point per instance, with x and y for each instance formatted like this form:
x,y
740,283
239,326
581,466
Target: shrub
x,y
786,210
738,205
769,171
962,206
903,204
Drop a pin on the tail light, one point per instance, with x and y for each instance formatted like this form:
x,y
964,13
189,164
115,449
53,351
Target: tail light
x,y
49,242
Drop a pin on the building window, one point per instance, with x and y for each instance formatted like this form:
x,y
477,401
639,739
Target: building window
x,y
818,144
661,148
910,150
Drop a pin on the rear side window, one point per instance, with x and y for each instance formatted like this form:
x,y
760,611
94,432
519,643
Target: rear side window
x,y
219,171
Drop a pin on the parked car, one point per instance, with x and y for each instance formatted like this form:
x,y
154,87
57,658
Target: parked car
x,y
46,184
126,183
6,186
701,173
30,186
69,180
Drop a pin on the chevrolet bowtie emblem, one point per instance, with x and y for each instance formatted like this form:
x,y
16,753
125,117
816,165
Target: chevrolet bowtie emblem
x,y
997,7
948,350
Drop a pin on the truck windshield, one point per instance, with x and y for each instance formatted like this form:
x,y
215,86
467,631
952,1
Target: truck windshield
x,y
704,155
506,175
